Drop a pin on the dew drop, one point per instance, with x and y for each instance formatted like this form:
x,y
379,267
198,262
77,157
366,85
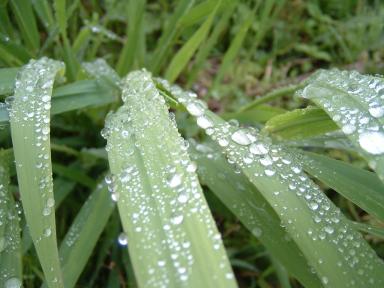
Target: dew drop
x,y
195,108
241,137
174,180
376,112
372,142
122,239
177,219
13,283
204,122
258,149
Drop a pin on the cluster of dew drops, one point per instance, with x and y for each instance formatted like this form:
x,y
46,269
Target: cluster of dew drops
x,y
178,174
245,147
10,241
367,91
31,106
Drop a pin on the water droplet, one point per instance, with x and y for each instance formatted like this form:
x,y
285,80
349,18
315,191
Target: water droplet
x,y
269,172
177,219
372,142
192,167
258,149
223,142
122,239
13,283
195,108
174,180
241,137
204,122
348,129
376,112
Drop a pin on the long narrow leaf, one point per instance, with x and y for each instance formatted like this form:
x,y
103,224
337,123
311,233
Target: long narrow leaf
x,y
10,248
30,117
310,218
355,103
172,238
250,207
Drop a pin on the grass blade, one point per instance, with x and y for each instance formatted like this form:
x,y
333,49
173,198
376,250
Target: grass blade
x,y
7,80
130,49
355,103
169,34
258,114
30,115
26,21
83,234
233,49
74,96
173,240
360,186
311,219
300,123
10,248
250,207
182,57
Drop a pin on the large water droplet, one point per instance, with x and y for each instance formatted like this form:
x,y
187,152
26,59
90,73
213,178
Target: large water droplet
x,y
204,122
174,180
258,149
376,112
122,239
372,142
196,109
13,283
241,137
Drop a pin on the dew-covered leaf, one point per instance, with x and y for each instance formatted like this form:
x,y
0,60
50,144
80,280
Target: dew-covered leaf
x,y
338,254
10,248
171,236
77,95
360,186
355,103
30,118
250,207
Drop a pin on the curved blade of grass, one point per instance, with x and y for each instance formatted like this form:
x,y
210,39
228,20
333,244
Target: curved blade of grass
x,y
172,238
26,21
29,118
78,95
168,34
375,231
182,57
250,207
277,93
10,248
355,103
319,229
83,234
300,123
335,140
259,114
360,186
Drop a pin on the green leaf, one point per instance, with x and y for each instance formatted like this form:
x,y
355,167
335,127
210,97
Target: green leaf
x,y
10,248
7,80
300,123
169,33
84,233
26,21
135,12
258,114
233,49
360,186
310,218
29,118
172,238
183,56
355,103
251,208
74,96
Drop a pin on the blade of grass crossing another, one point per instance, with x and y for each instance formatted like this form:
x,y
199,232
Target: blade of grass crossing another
x,y
360,186
355,102
83,234
311,219
182,57
10,244
172,238
29,118
250,207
